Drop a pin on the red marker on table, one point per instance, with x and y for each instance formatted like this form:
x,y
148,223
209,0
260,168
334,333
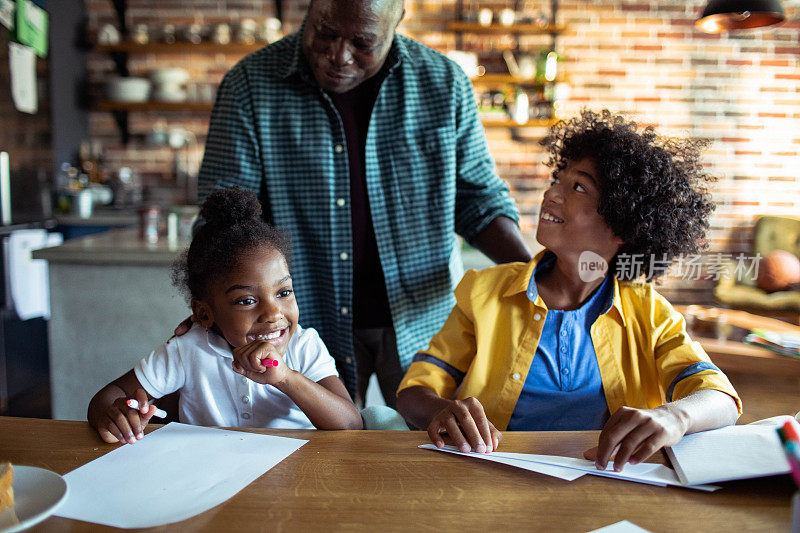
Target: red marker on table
x,y
269,362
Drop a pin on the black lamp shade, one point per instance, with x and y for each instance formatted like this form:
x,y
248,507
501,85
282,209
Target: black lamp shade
x,y
725,15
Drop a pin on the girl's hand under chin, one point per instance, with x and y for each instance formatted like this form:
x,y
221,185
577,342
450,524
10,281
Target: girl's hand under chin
x,y
247,361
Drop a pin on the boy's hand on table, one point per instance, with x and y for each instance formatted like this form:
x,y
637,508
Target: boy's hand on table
x,y
247,361
466,423
635,435
122,424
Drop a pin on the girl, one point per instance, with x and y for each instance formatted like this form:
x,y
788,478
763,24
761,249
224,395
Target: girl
x,y
246,362
569,341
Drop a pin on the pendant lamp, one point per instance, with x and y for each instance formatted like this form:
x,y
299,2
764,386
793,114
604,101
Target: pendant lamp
x,y
726,15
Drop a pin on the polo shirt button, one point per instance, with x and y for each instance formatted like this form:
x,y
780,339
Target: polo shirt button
x,y
343,256
344,310
246,416
245,399
537,316
515,375
338,148
340,202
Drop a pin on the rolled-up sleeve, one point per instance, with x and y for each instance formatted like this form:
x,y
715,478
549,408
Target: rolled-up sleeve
x,y
683,365
481,196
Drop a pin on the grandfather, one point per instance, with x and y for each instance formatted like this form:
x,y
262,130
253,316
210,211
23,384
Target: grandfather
x,y
368,148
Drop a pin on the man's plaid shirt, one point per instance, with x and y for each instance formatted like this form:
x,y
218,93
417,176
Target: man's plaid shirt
x,y
428,171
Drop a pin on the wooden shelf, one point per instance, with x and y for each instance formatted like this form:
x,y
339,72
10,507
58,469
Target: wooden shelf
x,y
488,79
508,123
195,107
181,48
533,29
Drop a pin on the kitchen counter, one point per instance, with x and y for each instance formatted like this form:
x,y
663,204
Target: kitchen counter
x,y
115,247
102,217
112,302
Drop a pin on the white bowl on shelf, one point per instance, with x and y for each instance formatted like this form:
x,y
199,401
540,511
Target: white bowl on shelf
x,y
169,76
128,89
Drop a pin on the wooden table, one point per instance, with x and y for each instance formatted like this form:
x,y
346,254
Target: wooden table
x,y
379,481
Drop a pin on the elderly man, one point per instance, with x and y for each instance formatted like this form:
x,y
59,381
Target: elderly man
x,y
368,148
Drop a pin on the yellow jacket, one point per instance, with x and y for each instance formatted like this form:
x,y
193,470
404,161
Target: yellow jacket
x,y
488,342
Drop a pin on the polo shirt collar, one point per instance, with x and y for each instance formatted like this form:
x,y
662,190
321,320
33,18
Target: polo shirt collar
x,y
524,281
217,343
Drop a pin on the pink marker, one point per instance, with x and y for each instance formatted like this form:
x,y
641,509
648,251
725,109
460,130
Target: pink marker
x,y
160,413
269,362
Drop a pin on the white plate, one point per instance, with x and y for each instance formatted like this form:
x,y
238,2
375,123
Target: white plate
x,y
37,495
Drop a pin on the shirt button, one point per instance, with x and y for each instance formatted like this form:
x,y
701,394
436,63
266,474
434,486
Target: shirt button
x,y
344,310
537,316
563,333
565,371
343,256
348,360
340,202
338,148
515,375
563,349
244,379
245,399
246,416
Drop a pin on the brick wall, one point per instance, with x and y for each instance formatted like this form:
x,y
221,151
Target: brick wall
x,y
644,59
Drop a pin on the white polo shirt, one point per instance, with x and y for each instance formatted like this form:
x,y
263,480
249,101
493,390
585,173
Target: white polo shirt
x,y
212,394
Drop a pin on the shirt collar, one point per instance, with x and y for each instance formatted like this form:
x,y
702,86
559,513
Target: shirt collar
x,y
296,64
544,259
215,342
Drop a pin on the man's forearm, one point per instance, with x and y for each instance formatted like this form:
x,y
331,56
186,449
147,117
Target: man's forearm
x,y
501,241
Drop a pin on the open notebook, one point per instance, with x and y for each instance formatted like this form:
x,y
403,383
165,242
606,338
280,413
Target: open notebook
x,y
733,452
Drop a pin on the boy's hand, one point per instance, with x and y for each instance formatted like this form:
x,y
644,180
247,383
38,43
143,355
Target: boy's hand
x,y
247,361
635,435
466,423
120,423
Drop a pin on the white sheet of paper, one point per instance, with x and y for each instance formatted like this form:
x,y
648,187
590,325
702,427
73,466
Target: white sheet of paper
x,y
22,66
650,473
732,452
621,527
508,459
172,474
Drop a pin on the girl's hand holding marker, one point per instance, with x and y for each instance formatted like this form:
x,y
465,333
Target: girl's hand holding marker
x,y
160,413
259,361
125,419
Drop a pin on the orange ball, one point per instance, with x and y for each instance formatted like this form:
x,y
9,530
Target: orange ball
x,y
778,271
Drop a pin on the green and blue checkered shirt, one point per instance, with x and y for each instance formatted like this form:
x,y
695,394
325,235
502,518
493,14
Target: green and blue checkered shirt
x,y
428,172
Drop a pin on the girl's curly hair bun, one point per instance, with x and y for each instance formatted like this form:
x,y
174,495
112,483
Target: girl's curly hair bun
x,y
230,206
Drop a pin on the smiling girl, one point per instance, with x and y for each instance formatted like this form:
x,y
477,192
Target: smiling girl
x,y
246,362
578,339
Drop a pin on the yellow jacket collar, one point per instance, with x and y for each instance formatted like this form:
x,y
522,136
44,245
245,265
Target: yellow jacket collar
x,y
520,284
